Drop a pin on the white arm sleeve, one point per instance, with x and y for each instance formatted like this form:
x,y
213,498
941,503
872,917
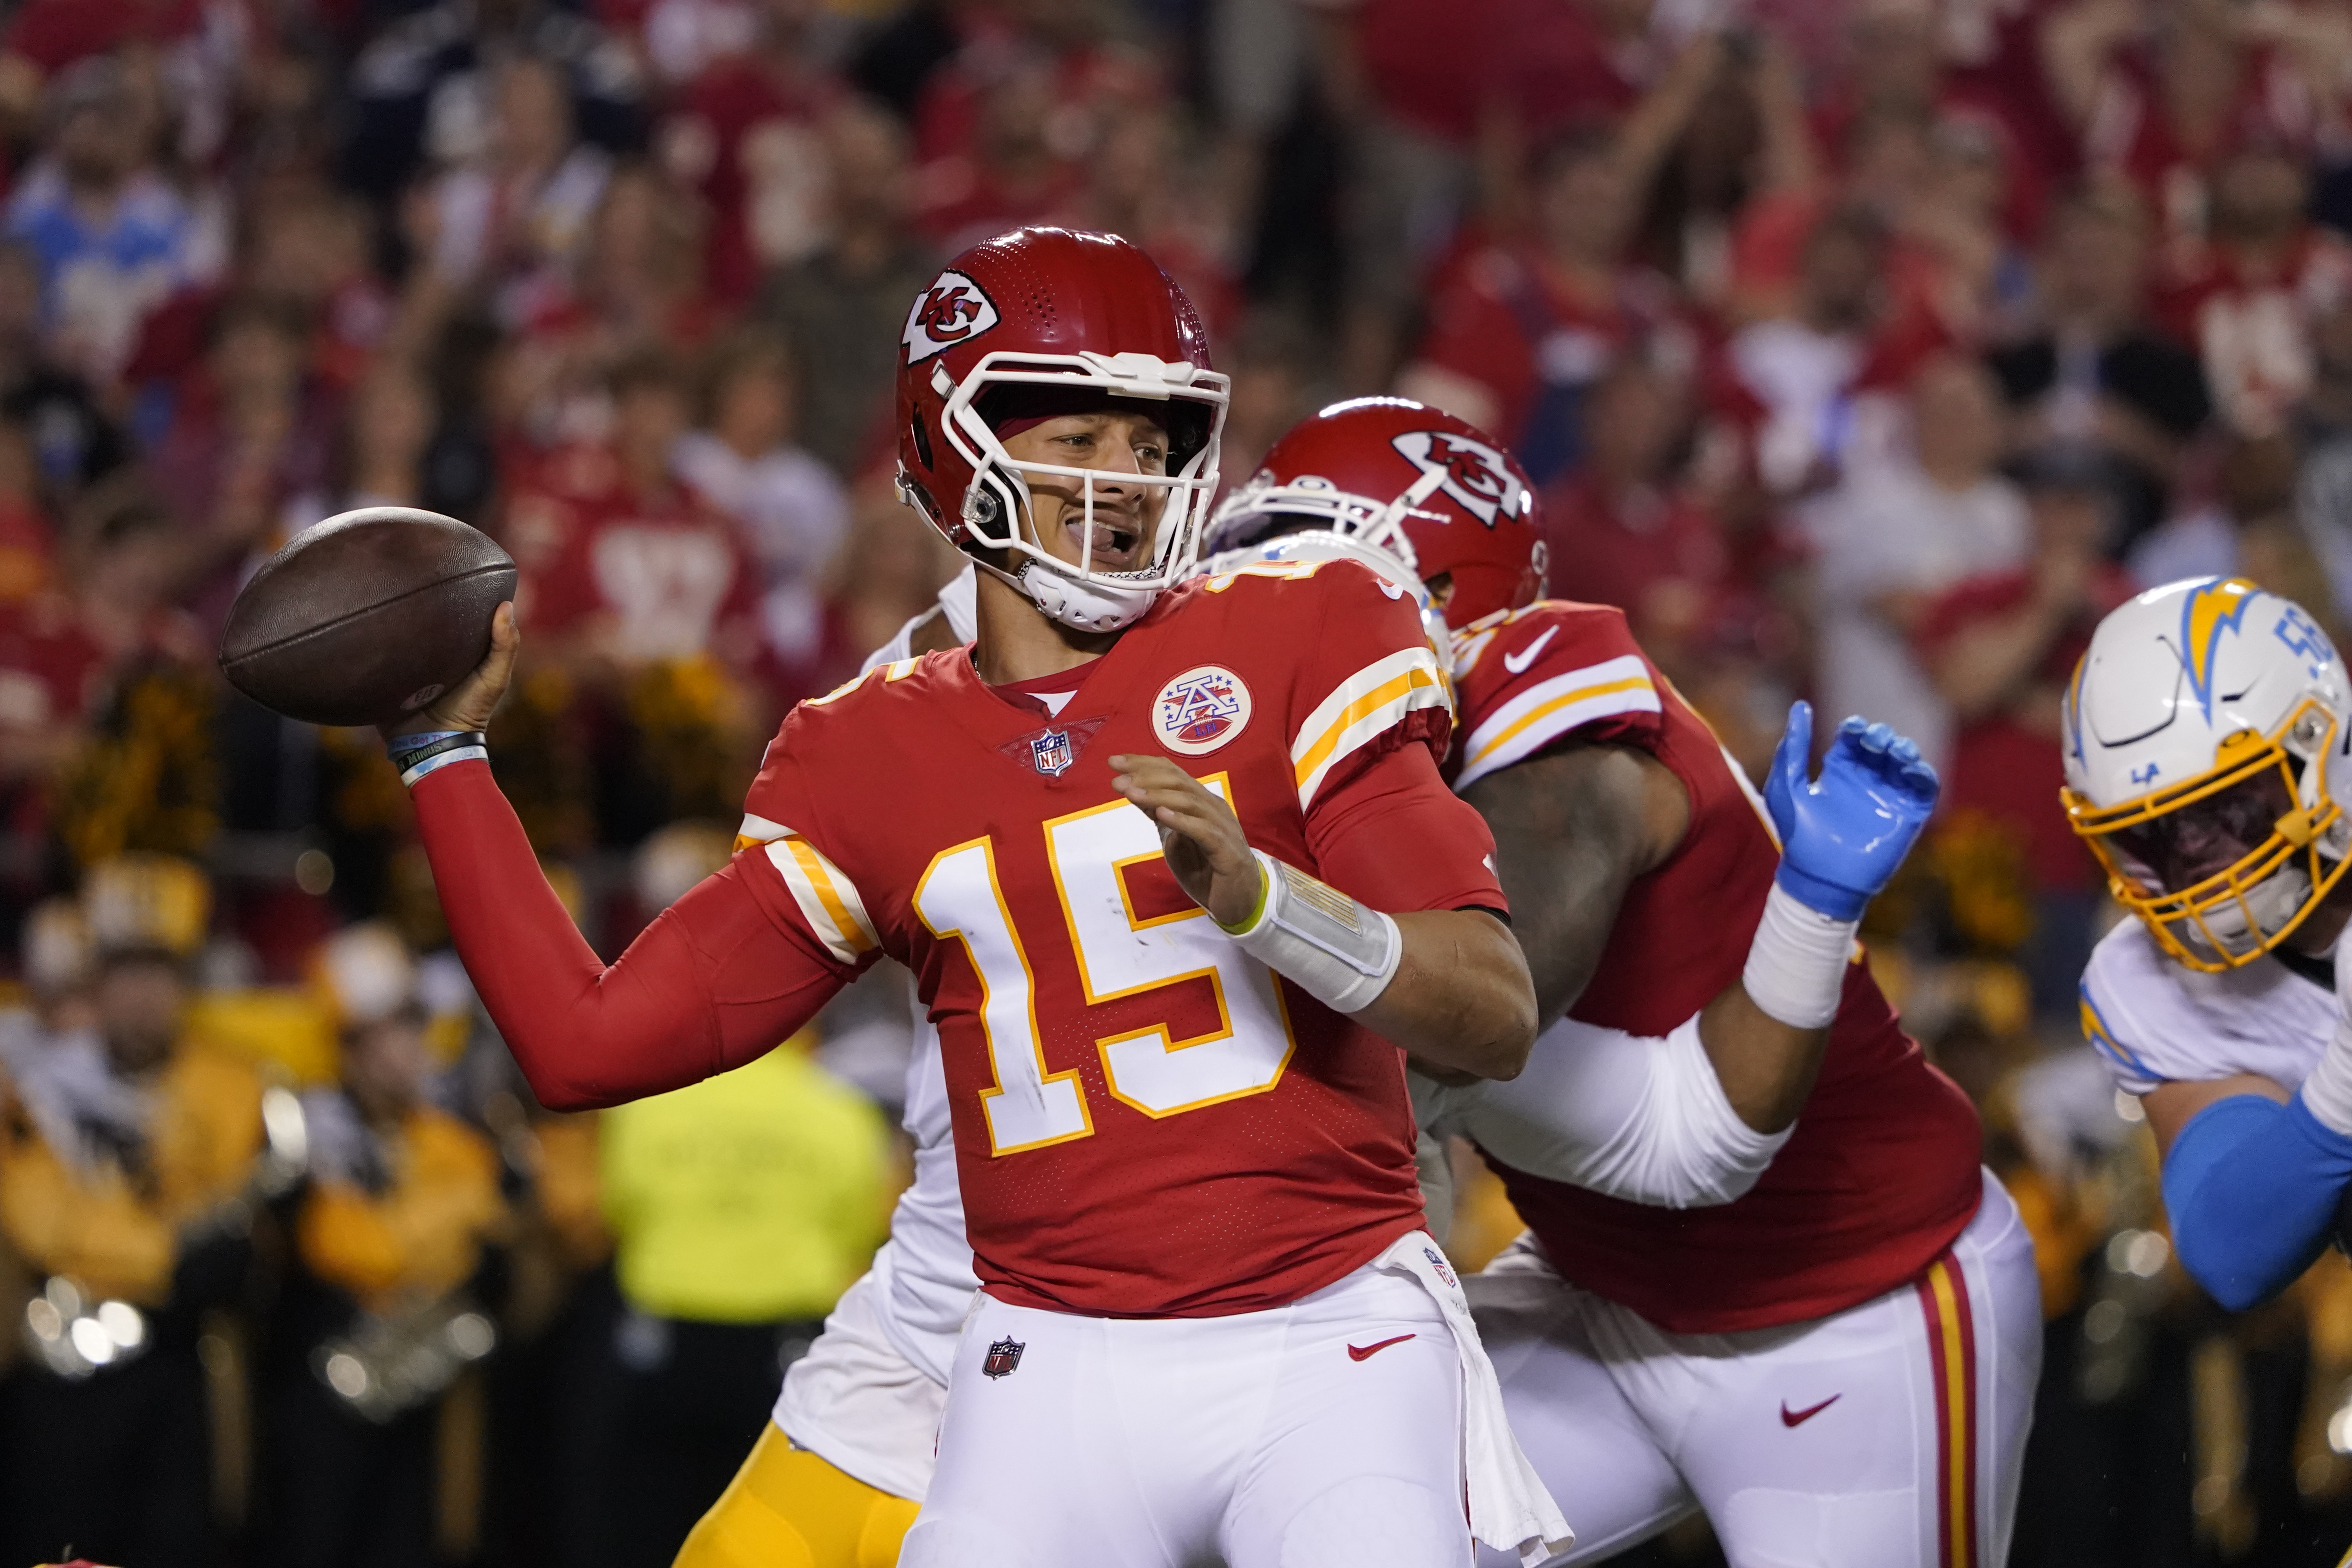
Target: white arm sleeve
x,y
1632,1117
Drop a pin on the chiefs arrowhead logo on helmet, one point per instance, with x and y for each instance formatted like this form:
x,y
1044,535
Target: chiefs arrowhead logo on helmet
x,y
1476,475
951,311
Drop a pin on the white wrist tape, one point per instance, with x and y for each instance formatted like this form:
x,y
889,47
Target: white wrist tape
x,y
1796,966
2328,1091
1339,951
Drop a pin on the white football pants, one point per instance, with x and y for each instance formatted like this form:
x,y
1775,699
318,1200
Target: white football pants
x,y
1888,1436
1327,1433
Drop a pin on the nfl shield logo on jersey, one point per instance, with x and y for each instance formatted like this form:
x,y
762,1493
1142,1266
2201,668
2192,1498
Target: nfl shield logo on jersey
x,y
1201,710
1050,753
1437,1261
1004,1358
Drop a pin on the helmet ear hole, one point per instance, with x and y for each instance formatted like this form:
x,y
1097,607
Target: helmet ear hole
x,y
922,439
990,507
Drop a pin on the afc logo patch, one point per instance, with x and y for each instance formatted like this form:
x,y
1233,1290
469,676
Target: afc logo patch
x,y
952,310
1476,476
1201,710
1004,1359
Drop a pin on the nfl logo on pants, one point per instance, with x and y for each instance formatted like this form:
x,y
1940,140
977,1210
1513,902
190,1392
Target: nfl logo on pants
x,y
1004,1356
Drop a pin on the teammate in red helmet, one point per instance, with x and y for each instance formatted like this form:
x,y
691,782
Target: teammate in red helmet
x,y
1764,1274
1139,845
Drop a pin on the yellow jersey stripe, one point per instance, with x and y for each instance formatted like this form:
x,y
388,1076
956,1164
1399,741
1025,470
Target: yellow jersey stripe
x,y
827,899
1551,709
1367,704
1371,702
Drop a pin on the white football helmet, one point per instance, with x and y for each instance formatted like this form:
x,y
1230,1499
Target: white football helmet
x,y
2206,766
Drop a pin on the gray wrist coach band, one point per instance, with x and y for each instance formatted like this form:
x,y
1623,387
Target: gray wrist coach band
x,y
1339,952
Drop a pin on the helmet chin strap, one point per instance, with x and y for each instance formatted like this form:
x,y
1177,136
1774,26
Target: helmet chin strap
x,y
1082,607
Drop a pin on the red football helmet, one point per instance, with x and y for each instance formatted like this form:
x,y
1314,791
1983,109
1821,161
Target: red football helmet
x,y
1400,476
1042,322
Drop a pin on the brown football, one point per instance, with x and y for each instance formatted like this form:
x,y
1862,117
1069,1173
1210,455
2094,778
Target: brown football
x,y
366,617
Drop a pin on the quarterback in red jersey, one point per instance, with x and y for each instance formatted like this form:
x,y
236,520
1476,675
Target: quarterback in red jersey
x,y
1185,1149
1765,1275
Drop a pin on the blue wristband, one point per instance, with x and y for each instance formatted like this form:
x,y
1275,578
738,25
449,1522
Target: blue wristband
x,y
430,751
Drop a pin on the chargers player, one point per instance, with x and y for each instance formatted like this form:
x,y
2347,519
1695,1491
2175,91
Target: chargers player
x,y
1209,1320
2206,751
1766,1275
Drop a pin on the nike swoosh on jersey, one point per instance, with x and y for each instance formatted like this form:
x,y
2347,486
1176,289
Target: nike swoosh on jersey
x,y
1365,1352
1517,663
1799,1417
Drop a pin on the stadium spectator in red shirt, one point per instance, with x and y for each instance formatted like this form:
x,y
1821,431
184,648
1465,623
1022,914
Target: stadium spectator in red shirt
x,y
637,285
645,602
1896,534
512,216
622,565
62,650
1898,61
785,505
747,134
1799,367
1619,531
248,453
1522,330
1005,128
841,310
2160,94
2001,647
2097,369
2250,301
307,248
1436,111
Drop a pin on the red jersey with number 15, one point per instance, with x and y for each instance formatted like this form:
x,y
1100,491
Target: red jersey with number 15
x,y
1148,1121
1882,1171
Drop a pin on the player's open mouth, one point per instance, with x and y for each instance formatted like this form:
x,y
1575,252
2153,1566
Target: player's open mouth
x,y
1118,543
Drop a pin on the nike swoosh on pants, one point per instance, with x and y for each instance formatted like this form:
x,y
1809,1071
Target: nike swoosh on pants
x,y
1364,1352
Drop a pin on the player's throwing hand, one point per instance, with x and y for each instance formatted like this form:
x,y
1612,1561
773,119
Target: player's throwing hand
x,y
469,704
1199,834
1844,835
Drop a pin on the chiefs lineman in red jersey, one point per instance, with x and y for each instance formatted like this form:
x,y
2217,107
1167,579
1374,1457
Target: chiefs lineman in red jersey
x,y
1210,1320
1764,1273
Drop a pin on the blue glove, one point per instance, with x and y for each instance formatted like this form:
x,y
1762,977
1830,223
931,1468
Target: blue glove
x,y
1842,836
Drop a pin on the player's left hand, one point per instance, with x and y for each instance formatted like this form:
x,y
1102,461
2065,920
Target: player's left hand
x,y
1842,836
1199,834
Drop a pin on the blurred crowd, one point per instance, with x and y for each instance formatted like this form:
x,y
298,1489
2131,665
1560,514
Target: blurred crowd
x,y
1864,349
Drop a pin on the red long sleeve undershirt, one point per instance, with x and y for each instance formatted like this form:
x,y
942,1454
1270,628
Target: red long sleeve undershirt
x,y
715,982
711,985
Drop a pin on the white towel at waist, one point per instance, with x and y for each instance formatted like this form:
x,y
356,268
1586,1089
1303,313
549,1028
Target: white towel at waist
x,y
1510,1508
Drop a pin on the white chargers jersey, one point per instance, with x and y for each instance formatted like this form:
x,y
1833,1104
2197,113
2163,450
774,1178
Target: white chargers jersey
x,y
925,1268
866,1396
2154,1021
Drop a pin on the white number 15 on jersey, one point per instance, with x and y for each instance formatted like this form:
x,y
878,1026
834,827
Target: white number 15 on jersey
x,y
1119,954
